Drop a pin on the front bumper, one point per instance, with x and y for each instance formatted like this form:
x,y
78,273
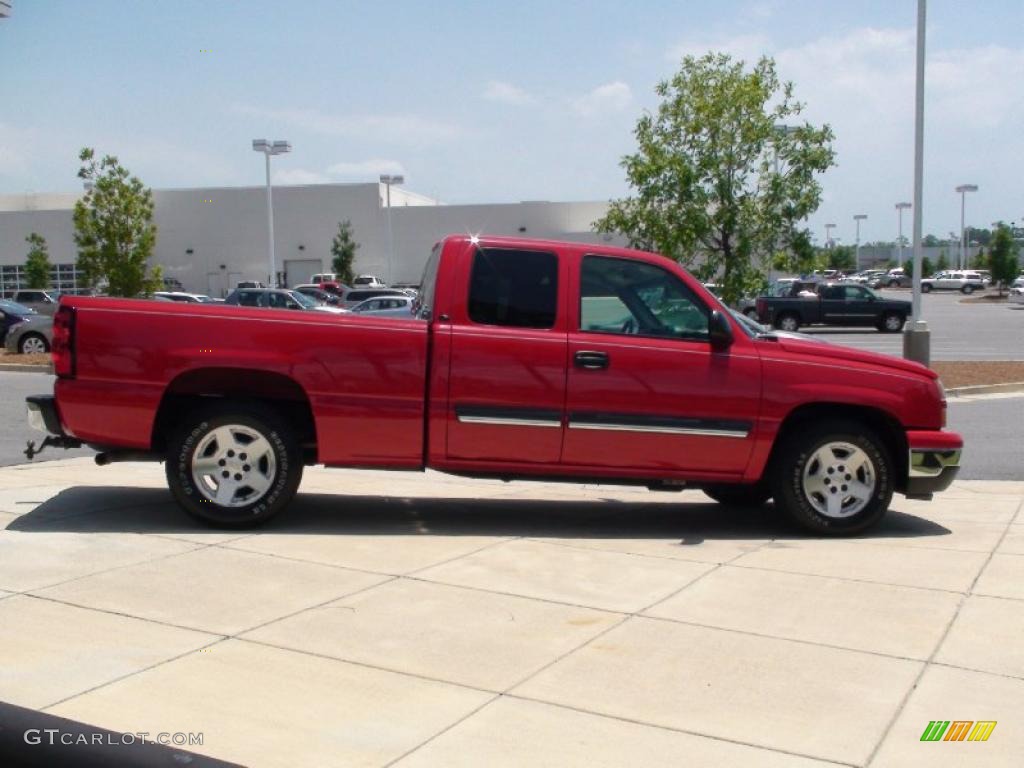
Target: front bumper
x,y
933,463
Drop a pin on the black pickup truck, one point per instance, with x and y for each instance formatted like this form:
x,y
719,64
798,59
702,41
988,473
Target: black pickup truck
x,y
847,304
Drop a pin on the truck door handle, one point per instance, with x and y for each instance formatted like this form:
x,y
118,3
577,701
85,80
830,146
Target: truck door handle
x,y
593,361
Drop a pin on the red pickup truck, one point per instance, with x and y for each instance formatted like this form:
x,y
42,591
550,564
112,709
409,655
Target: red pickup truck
x,y
525,359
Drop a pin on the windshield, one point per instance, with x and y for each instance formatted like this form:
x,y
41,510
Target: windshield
x,y
15,308
749,326
302,300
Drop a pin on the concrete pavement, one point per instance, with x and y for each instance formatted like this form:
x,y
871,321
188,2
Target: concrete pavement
x,y
422,620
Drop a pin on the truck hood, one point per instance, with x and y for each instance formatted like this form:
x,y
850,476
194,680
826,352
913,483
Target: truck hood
x,y
840,354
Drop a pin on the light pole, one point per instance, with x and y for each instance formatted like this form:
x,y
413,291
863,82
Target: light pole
x,y
278,147
828,234
963,189
858,218
900,208
916,336
387,180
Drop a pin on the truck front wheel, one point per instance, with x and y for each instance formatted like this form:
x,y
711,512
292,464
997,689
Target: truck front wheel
x,y
789,323
834,478
234,465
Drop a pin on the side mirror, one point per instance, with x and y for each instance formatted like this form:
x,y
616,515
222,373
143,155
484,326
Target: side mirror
x,y
719,331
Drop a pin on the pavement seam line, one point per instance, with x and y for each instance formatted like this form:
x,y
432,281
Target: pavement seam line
x,y
442,731
846,578
930,661
674,729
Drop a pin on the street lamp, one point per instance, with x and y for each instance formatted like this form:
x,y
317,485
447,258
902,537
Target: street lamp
x,y
916,336
387,180
900,208
828,234
858,218
277,147
963,189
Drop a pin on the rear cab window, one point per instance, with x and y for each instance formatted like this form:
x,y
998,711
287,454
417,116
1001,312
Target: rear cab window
x,y
513,287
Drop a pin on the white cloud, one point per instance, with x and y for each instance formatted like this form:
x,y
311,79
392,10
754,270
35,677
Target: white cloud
x,y
400,129
610,97
366,169
299,176
506,93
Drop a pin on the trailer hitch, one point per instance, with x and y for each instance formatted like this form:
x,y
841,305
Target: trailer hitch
x,y
57,441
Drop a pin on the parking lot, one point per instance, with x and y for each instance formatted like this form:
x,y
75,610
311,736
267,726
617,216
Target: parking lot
x,y
960,330
448,622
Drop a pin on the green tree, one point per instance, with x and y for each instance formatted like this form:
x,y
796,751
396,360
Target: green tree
x,y
930,241
343,249
114,228
714,178
37,264
927,270
1002,258
943,264
843,257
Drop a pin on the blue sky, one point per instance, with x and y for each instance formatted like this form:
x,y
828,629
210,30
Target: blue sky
x,y
500,101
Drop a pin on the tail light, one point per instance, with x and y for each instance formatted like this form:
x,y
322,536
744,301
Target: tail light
x,y
63,345
762,308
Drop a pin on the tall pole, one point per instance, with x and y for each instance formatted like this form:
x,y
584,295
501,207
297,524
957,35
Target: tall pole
x,y
859,218
900,207
963,232
916,338
391,234
270,228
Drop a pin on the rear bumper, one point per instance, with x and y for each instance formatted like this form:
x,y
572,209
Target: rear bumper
x,y
933,463
42,414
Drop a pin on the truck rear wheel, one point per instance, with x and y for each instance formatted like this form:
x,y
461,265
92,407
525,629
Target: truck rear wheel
x,y
788,322
891,323
234,465
739,495
833,478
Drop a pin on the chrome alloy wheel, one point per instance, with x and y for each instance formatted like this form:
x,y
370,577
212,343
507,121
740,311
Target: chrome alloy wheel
x,y
789,324
893,322
33,345
233,466
839,480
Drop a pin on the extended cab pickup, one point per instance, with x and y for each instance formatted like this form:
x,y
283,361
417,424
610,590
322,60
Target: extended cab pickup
x,y
524,359
847,304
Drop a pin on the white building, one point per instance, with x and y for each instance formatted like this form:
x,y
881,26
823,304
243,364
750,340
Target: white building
x,y
210,238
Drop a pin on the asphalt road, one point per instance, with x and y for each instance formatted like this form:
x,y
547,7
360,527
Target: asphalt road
x,y
993,429
958,331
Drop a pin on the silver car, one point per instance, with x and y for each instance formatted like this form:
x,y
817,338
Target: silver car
x,y
43,302
33,335
385,306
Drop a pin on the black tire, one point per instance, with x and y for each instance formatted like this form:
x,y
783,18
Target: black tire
x,y
967,289
739,495
892,322
798,454
23,342
926,287
279,467
894,283
782,319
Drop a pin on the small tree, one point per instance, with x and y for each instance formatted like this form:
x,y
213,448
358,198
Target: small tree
x,y
927,270
943,264
114,228
842,257
37,265
1003,257
713,176
343,249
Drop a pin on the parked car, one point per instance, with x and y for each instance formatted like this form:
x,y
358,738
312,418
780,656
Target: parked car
x,y
43,302
574,361
33,335
250,284
323,277
368,281
1017,291
389,306
867,276
356,295
185,298
275,298
954,280
845,304
317,294
12,313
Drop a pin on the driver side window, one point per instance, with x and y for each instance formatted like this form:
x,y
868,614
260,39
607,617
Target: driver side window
x,y
628,297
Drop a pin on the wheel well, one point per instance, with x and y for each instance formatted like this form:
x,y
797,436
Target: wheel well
x,y
888,429
200,387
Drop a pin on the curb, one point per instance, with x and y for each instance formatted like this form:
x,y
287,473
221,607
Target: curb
x,y
25,368
987,389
